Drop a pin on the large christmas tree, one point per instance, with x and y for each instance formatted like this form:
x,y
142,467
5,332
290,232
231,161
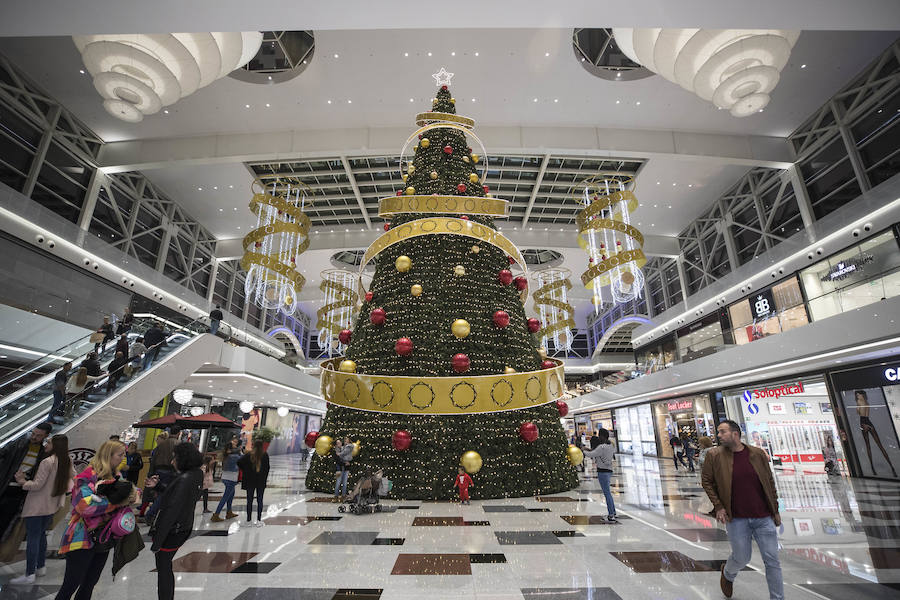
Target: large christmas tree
x,y
442,352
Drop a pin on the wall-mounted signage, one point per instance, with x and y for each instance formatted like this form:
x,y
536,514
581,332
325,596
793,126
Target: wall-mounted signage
x,y
892,374
846,268
676,405
776,408
762,304
750,396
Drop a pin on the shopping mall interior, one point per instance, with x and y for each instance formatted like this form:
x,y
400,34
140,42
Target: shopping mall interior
x,y
421,264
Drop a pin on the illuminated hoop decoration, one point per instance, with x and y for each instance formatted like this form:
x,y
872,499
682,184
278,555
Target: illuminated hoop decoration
x,y
272,248
613,245
551,298
337,312
404,164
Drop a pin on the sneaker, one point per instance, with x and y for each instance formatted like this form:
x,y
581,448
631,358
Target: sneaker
x,y
22,580
259,523
230,515
612,519
216,518
41,572
727,586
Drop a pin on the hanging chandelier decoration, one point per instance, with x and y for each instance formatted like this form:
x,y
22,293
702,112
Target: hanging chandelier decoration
x,y
138,74
735,69
613,244
551,300
336,314
272,248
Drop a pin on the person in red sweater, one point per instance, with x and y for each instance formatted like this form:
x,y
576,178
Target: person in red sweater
x,y
463,482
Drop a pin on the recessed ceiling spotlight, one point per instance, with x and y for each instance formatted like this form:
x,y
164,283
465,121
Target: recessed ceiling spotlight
x,y
199,189
535,100
166,111
476,54
336,56
215,187
82,70
221,209
762,109
453,54
618,74
803,66
657,183
556,99
412,99
429,54
690,185
246,106
473,99
235,208
329,102
655,205
546,54
674,184
230,187
349,101
270,78
618,101
406,54
268,105
670,206
638,102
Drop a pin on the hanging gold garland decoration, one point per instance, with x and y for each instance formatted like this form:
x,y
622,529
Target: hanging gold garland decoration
x,y
454,205
272,261
427,118
441,395
347,297
543,296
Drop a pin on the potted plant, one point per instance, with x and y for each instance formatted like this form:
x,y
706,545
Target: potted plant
x,y
265,435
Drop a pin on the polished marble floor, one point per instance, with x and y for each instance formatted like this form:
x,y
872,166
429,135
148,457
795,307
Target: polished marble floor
x,y
841,539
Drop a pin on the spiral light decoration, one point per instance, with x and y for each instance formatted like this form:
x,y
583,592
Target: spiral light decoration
x,y
735,69
613,245
556,313
138,74
272,248
337,312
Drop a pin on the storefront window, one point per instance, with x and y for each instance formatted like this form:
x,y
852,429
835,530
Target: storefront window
x,y
657,357
700,338
769,311
858,276
687,417
635,430
791,420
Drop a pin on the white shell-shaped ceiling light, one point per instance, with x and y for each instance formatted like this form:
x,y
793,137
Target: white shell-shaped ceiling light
x,y
138,74
735,69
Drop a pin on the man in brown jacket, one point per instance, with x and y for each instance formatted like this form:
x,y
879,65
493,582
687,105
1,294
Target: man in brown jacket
x,y
739,483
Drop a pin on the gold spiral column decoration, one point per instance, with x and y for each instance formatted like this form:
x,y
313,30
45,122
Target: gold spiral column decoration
x,y
551,300
272,247
337,312
614,245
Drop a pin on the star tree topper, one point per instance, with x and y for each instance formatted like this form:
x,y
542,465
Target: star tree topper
x,y
442,77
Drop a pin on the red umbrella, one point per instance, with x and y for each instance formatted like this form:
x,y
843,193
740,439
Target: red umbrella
x,y
206,421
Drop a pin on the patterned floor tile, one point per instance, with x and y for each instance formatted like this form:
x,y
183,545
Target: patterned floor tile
x,y
503,508
567,533
432,564
345,538
570,594
510,538
388,542
297,520
857,591
447,522
481,558
256,567
701,535
668,561
585,519
210,562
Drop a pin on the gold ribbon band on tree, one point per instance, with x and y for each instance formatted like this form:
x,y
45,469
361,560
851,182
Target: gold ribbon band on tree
x,y
543,296
456,205
438,226
432,117
457,395
347,298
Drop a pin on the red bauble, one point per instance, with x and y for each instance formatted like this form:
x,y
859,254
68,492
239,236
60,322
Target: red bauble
x,y
401,440
460,187
420,136
602,246
387,226
403,346
534,325
369,296
258,245
504,277
448,149
486,189
345,335
528,431
464,217
547,364
511,260
618,243
444,87
591,259
399,192
310,439
521,283
562,407
501,319
460,363
377,316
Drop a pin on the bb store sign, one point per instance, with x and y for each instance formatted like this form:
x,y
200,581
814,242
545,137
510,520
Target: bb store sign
x,y
752,396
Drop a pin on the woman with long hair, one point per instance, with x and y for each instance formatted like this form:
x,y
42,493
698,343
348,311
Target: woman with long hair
x,y
255,472
46,495
868,429
75,390
230,456
84,564
175,520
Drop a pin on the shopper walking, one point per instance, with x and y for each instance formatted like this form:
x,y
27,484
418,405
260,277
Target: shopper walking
x,y
107,330
59,391
230,457
706,445
209,470
602,453
215,318
134,462
677,451
688,452
255,473
90,511
46,495
739,483
175,520
24,455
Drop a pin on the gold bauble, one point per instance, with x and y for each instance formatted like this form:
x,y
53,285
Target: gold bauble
x,y
575,455
357,446
465,159
471,462
434,175
509,370
416,290
411,169
403,263
416,147
475,249
323,445
460,328
459,270
473,177
452,100
542,352
475,158
347,366
434,101
288,300
627,278
410,191
596,300
405,177
425,142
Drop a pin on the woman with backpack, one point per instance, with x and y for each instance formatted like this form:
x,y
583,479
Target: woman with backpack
x,y
175,517
255,472
603,453
90,513
46,495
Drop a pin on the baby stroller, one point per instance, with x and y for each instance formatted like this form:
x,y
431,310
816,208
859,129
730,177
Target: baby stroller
x,y
366,496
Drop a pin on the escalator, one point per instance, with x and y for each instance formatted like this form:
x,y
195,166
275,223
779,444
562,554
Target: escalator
x,y
26,396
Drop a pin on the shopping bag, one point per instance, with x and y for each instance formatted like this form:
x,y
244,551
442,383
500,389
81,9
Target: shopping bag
x,y
9,547
97,337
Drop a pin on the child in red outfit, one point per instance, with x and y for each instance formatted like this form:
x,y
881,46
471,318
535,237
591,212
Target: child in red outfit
x,y
463,482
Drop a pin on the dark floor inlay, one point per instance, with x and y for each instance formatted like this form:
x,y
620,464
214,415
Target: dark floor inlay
x,y
256,567
701,535
298,519
539,510
388,541
28,592
408,508
481,558
345,538
513,538
213,533
570,594
210,562
586,519
568,533
556,499
858,591
432,564
274,593
358,594
669,561
504,508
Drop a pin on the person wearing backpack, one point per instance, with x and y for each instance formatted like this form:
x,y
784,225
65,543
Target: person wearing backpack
x,y
175,519
91,512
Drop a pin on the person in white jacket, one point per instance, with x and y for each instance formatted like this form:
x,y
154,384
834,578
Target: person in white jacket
x,y
603,453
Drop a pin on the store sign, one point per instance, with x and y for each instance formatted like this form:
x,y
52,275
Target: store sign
x,y
750,396
677,405
762,304
846,268
892,374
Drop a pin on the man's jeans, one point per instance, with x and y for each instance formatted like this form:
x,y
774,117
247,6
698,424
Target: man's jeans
x,y
740,531
214,327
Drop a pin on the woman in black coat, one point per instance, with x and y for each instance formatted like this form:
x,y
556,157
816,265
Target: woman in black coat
x,y
175,519
254,472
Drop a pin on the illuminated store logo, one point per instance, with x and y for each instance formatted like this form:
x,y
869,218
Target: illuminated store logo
x,y
752,407
846,268
680,405
784,390
892,374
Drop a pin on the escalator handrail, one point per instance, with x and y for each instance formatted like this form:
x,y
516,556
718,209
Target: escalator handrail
x,y
52,356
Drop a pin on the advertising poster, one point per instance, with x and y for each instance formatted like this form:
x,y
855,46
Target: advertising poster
x,y
286,428
250,421
873,431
